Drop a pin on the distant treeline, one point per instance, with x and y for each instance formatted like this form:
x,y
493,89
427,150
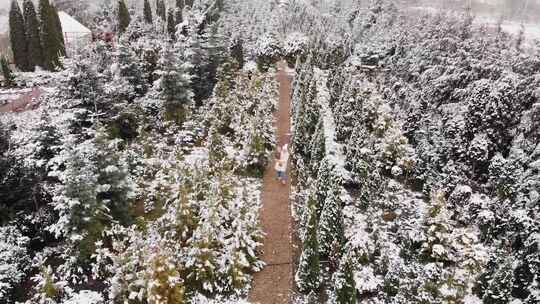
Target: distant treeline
x,y
526,11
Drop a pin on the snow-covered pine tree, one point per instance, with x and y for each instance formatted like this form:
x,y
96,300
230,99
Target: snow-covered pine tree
x,y
35,51
199,58
500,282
45,141
9,78
216,148
344,284
130,69
123,18
82,93
18,38
14,259
174,83
93,192
268,51
306,114
147,12
171,24
308,274
237,51
330,228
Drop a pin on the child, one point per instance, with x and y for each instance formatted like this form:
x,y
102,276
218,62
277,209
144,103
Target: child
x,y
280,168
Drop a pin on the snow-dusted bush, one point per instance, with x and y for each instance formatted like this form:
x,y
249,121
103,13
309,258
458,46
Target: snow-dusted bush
x,y
14,259
295,47
268,51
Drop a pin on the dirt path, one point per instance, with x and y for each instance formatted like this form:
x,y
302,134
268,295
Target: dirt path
x,y
273,284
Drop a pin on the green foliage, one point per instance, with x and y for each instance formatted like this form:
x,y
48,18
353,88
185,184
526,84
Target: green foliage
x,y
330,226
344,285
35,52
165,289
216,148
17,34
130,68
237,52
9,78
498,289
124,19
308,273
174,84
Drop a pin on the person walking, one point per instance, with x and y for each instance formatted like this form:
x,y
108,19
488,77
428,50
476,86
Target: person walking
x,y
281,163
280,168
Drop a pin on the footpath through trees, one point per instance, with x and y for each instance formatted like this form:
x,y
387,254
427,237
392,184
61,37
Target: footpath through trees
x,y
273,284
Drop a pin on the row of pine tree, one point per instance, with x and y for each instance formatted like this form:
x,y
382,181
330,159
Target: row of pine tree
x,y
36,38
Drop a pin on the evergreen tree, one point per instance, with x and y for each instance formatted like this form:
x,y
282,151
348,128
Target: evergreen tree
x,y
179,11
207,54
500,283
48,36
35,51
344,286
237,52
171,24
308,273
60,42
174,83
130,68
17,34
123,16
9,80
93,191
199,59
147,12
82,92
330,225
161,11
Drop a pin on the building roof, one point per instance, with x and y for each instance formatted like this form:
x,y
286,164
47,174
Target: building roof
x,y
70,25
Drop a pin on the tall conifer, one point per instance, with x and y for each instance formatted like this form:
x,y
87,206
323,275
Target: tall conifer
x,y
171,24
123,16
147,11
59,32
308,273
48,36
161,11
17,34
35,51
